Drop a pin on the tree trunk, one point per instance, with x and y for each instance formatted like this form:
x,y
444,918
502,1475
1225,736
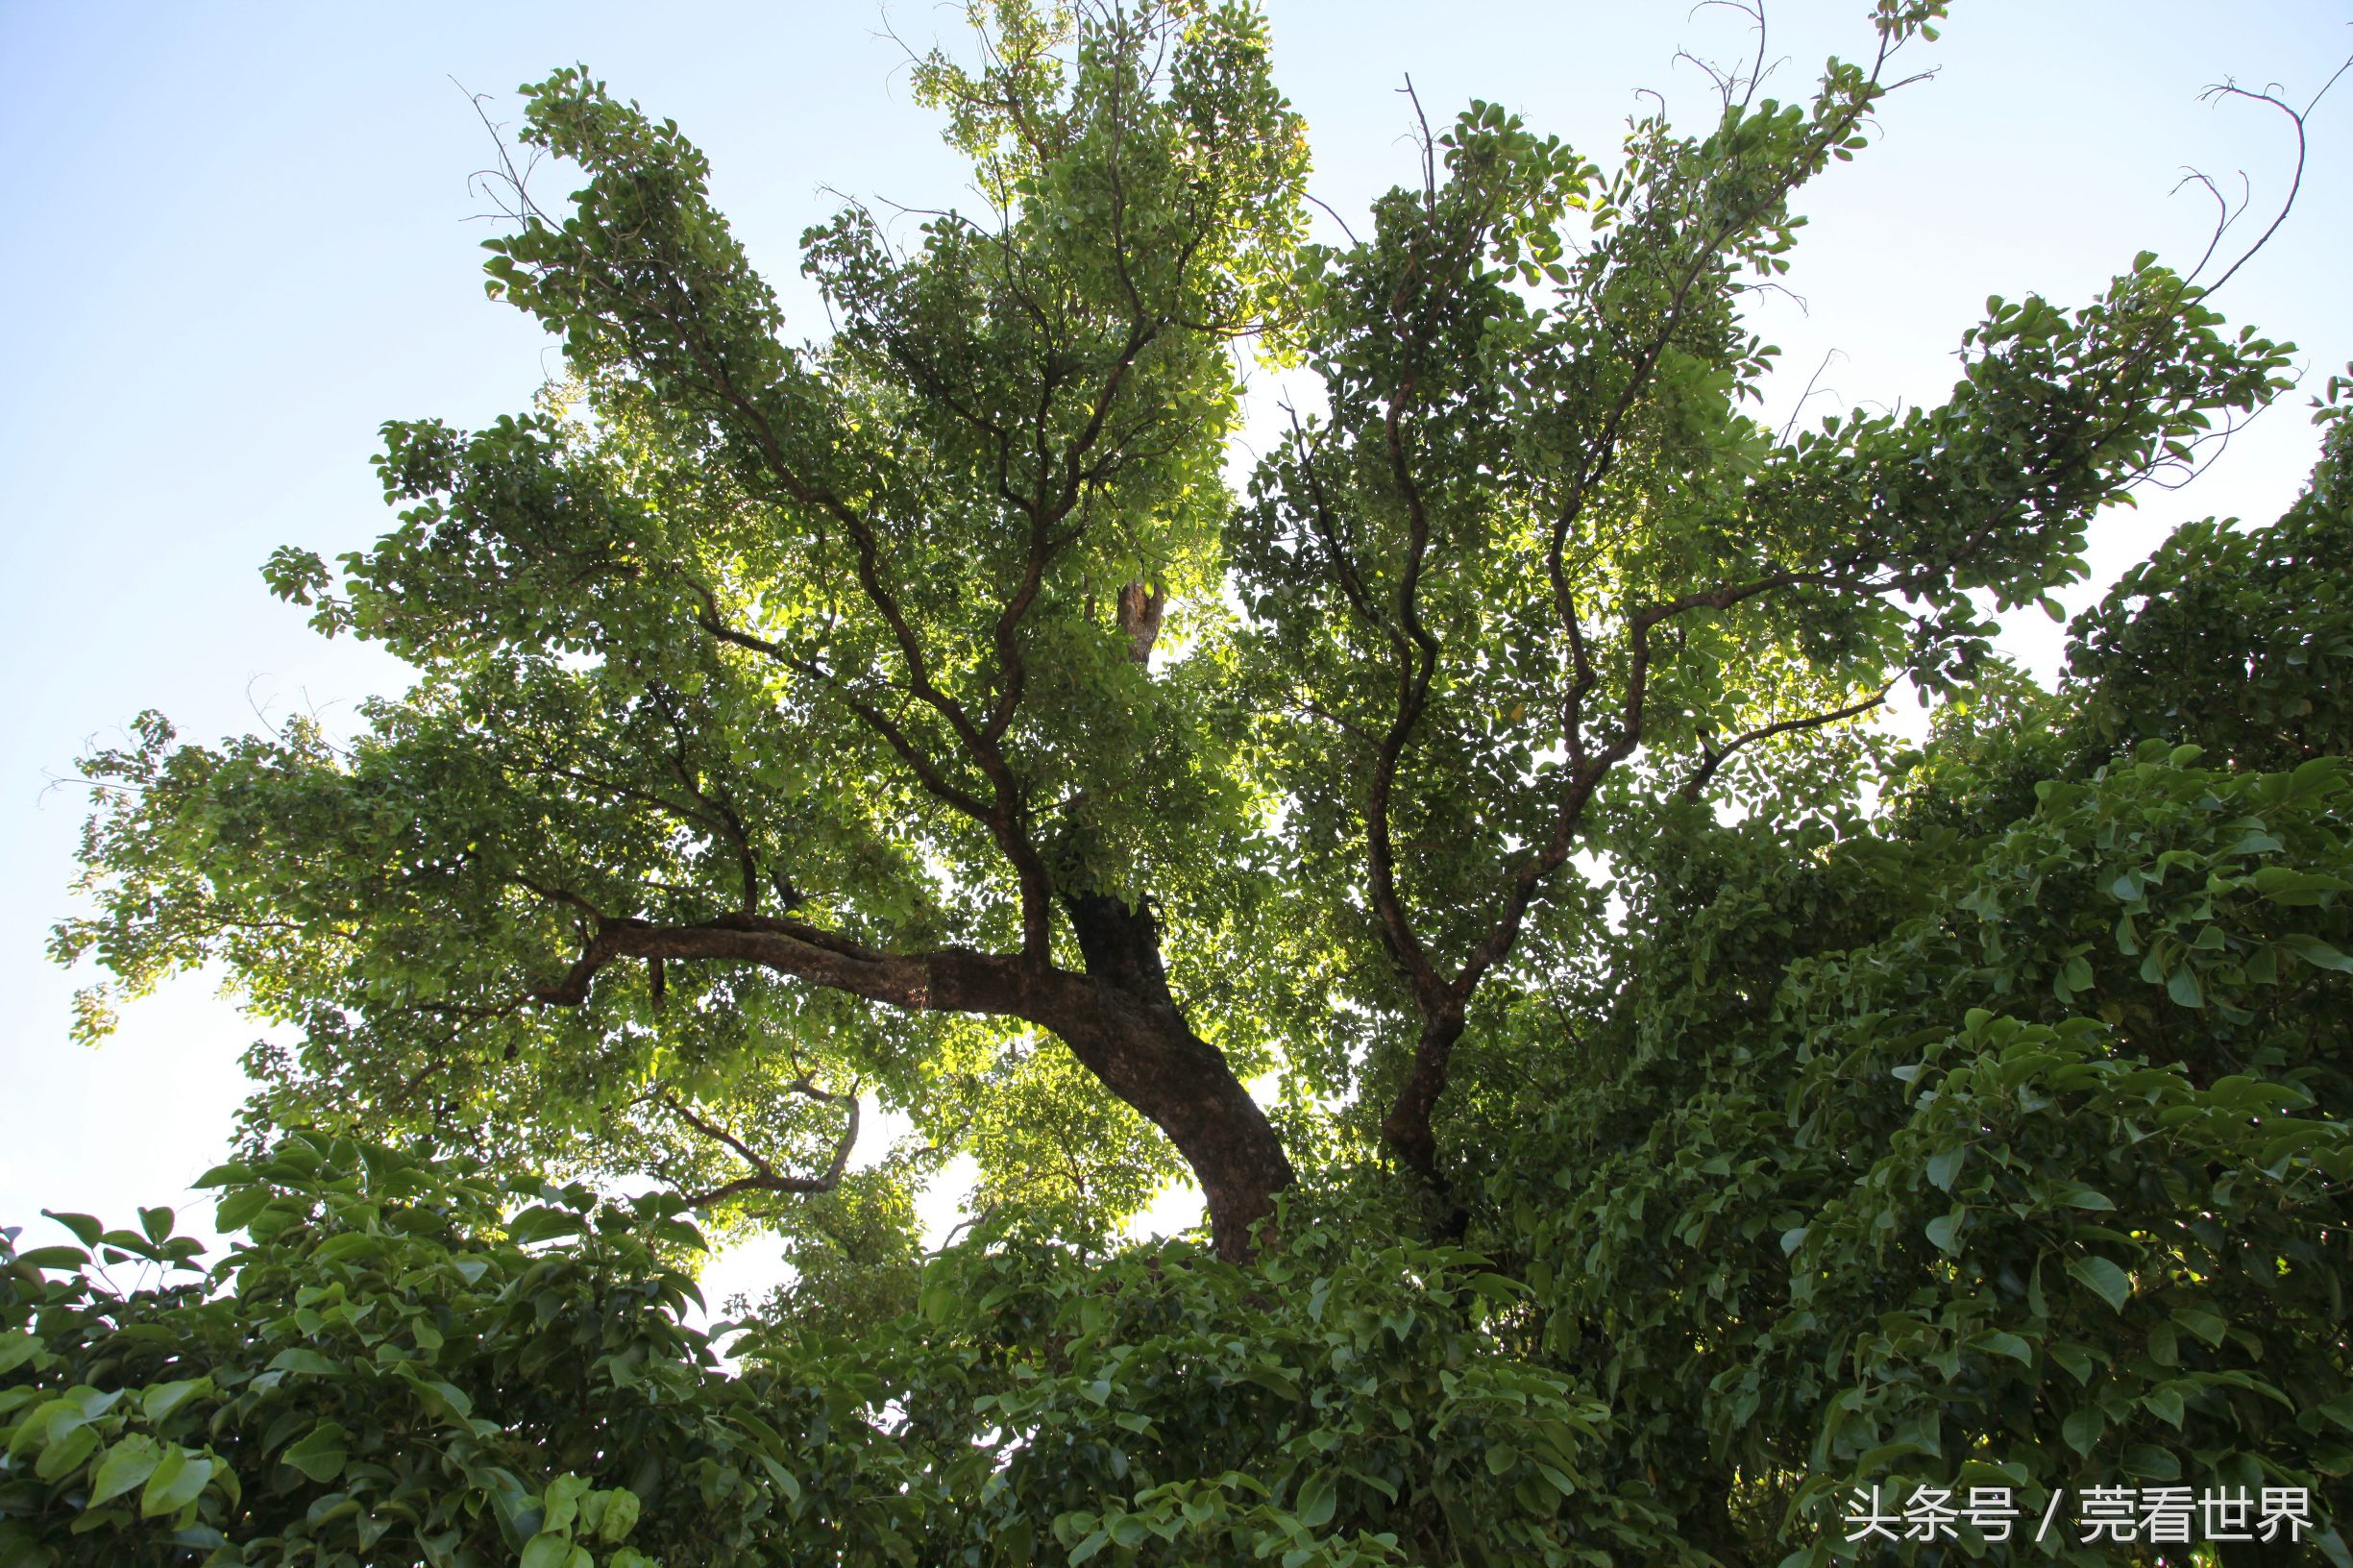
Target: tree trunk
x,y
1406,1128
1129,1033
1132,1036
1118,1017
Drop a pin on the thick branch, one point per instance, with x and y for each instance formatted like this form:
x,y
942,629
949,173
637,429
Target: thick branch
x,y
1138,610
1120,1024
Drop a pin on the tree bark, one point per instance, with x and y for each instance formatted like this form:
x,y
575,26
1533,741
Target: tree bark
x,y
1146,1053
1140,609
1118,1017
1406,1128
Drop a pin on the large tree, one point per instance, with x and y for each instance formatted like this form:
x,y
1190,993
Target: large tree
x,y
891,713
1997,1138
916,716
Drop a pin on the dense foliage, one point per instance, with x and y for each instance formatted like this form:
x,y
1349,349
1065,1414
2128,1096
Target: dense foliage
x,y
404,1363
1688,1104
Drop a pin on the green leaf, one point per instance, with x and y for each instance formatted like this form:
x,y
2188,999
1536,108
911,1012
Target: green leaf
x,y
2319,954
549,1550
126,1465
2285,885
620,1514
680,1232
444,1400
66,1451
2315,777
2111,1283
86,1230
240,1207
561,1503
785,1481
1319,1495
320,1453
337,1249
60,1258
2004,1343
2073,1356
1499,1289
179,1478
159,1402
2207,1326
542,1224
1943,1232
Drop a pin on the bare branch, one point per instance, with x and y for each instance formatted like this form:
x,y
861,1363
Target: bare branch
x,y
1713,756
2296,117
765,1177
1335,217
1811,383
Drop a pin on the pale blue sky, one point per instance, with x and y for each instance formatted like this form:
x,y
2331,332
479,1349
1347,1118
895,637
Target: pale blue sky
x,y
233,241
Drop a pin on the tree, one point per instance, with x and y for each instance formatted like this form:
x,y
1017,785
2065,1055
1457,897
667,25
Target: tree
x,y
1821,1222
787,722
917,715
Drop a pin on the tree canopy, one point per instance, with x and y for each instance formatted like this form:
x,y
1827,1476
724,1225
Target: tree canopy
x,y
1675,1101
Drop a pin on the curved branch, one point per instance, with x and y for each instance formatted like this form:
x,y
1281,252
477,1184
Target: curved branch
x,y
1714,756
765,1177
2229,89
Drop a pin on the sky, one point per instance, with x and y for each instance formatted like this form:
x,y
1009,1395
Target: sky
x,y
236,238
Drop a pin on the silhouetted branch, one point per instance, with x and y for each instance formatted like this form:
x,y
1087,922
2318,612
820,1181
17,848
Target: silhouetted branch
x,y
766,1178
2295,182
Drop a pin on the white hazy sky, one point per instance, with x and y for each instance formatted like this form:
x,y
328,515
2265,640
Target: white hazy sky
x,y
234,238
